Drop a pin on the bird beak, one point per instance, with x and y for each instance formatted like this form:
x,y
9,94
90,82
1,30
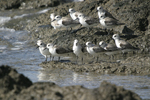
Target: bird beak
x,y
53,20
37,47
45,48
77,19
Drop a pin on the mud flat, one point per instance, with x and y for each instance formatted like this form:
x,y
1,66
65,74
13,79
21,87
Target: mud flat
x,y
137,65
136,31
134,14
15,86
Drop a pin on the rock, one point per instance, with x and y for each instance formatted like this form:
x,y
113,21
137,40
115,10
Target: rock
x,y
108,91
11,82
10,4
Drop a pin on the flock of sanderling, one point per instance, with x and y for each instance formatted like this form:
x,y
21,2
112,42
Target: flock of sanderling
x,y
105,19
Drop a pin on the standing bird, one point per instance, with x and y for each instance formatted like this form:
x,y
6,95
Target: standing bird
x,y
57,50
102,12
109,22
77,50
94,50
43,50
74,14
54,23
66,22
122,44
110,48
88,22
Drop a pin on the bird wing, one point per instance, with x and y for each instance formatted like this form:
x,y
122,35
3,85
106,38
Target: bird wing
x,y
61,50
111,47
107,14
125,45
68,21
110,21
90,20
98,49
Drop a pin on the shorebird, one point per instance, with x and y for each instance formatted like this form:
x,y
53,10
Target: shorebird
x,y
94,50
74,14
109,22
57,50
87,21
122,44
66,22
54,23
102,12
77,50
110,48
43,50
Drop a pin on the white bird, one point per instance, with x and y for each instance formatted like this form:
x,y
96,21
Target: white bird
x,y
74,14
110,48
102,12
122,44
87,21
54,23
43,50
66,22
109,22
77,49
94,50
57,50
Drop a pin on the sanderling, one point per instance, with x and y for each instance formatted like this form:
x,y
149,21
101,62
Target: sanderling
x,y
122,44
94,49
74,14
43,50
77,49
109,22
57,50
102,11
87,21
54,23
66,22
110,48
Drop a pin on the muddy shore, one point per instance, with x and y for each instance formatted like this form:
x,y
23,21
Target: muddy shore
x,y
136,31
15,86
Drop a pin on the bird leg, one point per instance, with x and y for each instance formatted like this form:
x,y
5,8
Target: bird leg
x,y
82,60
97,59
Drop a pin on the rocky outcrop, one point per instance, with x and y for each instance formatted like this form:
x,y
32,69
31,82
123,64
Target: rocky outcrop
x,y
15,86
11,82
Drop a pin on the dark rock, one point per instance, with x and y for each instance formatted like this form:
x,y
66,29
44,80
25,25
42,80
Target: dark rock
x,y
108,91
11,82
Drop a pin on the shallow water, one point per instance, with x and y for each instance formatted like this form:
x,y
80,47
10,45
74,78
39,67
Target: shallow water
x,y
16,51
